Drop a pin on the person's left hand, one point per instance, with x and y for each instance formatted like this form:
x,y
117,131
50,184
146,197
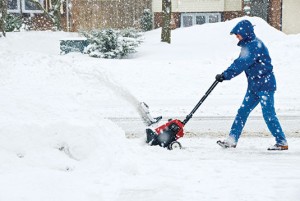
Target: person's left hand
x,y
220,77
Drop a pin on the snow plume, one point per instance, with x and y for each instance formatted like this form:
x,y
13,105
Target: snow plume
x,y
117,89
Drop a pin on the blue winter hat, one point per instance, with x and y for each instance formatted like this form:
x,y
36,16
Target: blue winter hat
x,y
243,28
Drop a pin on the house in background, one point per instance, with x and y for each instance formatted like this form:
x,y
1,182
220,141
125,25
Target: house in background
x,y
107,13
89,14
282,14
194,12
82,14
29,12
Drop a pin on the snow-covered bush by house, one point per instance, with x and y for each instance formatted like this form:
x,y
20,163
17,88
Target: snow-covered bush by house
x,y
110,43
131,33
13,23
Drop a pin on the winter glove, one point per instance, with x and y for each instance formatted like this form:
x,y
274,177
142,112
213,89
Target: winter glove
x,y
220,77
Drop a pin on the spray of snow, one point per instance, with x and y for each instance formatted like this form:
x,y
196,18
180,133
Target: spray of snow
x,y
107,80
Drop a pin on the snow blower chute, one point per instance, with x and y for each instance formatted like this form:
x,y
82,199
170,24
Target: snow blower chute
x,y
167,134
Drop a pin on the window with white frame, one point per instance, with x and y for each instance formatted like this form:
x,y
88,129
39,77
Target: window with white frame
x,y
190,19
187,20
23,6
13,6
29,7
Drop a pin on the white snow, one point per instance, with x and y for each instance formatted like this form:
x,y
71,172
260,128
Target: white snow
x,y
64,120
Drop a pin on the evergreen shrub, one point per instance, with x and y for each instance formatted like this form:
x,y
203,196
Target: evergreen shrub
x,y
111,43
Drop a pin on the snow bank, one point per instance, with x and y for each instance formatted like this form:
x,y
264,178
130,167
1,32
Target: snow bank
x,y
53,135
77,140
52,157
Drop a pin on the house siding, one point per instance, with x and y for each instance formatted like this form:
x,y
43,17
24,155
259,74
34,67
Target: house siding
x,y
233,5
95,14
291,16
228,9
200,5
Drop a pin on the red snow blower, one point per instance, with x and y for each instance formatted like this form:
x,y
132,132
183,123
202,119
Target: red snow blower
x,y
167,134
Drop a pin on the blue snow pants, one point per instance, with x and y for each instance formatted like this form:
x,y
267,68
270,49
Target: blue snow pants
x,y
251,100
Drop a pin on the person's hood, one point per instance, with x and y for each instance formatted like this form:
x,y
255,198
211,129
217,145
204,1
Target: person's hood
x,y
245,29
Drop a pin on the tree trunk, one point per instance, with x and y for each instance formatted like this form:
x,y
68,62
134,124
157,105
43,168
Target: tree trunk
x,y
166,21
3,14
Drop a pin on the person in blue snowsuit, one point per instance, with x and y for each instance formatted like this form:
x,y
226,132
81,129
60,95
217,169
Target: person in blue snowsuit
x,y
255,61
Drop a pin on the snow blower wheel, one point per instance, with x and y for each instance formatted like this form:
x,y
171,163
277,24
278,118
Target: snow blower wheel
x,y
174,145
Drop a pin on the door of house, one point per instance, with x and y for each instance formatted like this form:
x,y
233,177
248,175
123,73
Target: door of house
x,y
259,8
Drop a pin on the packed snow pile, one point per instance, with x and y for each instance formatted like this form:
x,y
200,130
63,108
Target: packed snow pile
x,y
58,142
52,135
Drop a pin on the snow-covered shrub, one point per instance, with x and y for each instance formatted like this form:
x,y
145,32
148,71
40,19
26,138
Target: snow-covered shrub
x,y
13,23
110,43
147,20
131,33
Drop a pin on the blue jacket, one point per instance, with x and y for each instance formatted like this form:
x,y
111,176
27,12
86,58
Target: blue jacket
x,y
254,60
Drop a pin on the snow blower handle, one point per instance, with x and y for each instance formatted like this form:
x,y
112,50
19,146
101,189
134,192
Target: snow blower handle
x,y
188,117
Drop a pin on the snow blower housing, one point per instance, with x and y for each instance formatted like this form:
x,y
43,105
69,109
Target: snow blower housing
x,y
167,134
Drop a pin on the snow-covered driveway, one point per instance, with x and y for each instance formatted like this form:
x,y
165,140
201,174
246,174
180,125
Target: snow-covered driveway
x,y
213,126
204,171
